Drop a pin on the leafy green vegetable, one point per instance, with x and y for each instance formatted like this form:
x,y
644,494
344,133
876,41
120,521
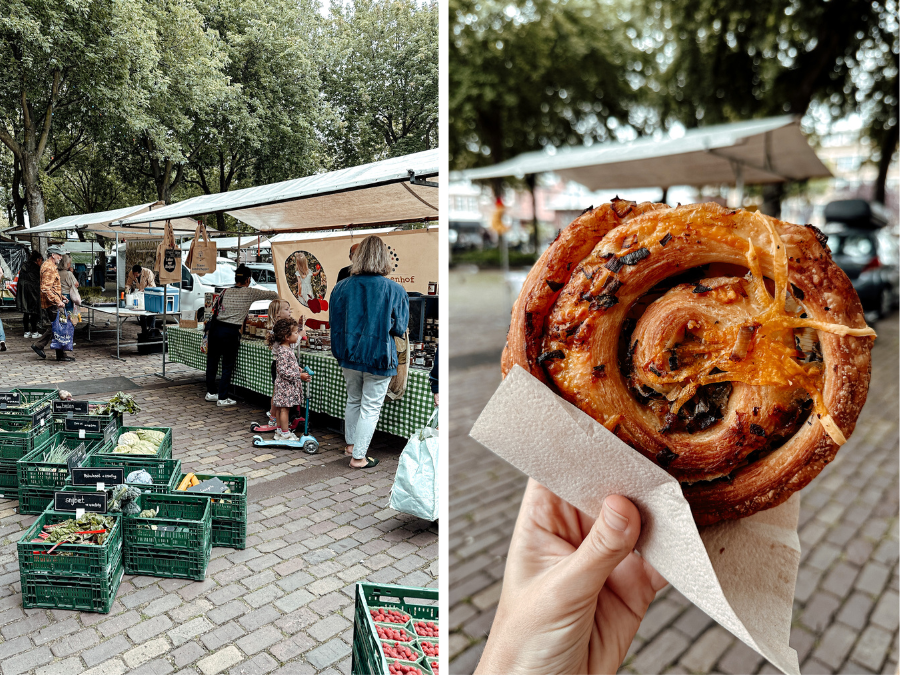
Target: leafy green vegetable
x,y
121,403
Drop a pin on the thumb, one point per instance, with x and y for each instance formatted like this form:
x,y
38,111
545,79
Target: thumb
x,y
611,539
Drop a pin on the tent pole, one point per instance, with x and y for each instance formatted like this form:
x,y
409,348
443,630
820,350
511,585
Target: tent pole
x,y
738,170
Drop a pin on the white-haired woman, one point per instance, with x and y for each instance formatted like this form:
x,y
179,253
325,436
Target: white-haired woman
x,y
367,311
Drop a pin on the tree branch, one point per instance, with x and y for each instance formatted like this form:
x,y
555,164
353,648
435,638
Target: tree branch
x,y
48,116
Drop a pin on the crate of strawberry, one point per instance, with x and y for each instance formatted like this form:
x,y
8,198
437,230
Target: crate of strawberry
x,y
396,667
426,628
405,651
388,615
429,648
388,631
400,607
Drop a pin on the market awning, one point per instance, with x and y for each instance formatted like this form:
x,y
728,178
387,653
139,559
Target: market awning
x,y
100,223
382,193
770,150
231,243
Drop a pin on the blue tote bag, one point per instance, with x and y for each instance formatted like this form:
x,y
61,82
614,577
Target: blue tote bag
x,y
63,333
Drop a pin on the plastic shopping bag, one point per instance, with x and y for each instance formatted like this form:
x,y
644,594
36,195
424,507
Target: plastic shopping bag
x,y
63,333
415,489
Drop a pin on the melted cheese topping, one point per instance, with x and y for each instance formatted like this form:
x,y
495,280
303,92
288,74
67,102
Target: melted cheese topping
x,y
771,357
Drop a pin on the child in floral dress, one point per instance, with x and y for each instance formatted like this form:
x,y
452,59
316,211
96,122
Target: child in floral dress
x,y
288,376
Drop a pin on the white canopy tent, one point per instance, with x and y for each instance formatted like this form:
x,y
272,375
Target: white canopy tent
x,y
771,150
382,193
100,223
231,243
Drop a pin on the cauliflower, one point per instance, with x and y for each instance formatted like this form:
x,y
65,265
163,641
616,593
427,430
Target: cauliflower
x,y
128,438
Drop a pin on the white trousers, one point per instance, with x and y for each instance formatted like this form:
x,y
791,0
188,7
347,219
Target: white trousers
x,y
365,396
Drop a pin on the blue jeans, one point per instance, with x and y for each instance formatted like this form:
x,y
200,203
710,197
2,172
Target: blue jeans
x,y
2,332
365,396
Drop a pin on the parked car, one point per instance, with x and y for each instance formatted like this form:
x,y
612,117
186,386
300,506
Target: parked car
x,y
264,275
863,247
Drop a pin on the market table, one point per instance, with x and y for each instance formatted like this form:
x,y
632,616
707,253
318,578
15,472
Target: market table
x,y
328,390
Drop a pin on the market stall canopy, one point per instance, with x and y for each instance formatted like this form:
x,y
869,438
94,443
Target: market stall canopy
x,y
231,243
382,193
100,223
771,150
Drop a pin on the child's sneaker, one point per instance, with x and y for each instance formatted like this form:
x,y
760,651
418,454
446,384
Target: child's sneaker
x,y
287,436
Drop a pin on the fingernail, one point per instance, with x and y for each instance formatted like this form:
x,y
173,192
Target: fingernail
x,y
615,520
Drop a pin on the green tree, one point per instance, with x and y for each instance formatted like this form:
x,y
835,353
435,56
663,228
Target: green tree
x,y
731,60
265,130
533,73
380,77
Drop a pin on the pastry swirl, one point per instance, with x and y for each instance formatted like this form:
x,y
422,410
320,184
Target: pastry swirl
x,y
725,346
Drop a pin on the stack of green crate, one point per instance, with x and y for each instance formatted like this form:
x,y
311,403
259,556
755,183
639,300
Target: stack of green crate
x,y
164,472
164,450
229,511
81,577
368,656
24,426
176,542
39,479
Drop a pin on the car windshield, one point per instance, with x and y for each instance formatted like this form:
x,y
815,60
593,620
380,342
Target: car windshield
x,y
223,276
852,244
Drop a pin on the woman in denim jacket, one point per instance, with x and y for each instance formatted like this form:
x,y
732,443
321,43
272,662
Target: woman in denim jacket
x,y
367,311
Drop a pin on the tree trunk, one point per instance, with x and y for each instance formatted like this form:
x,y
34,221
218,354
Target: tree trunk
x,y
772,195
18,197
888,149
665,195
220,221
34,197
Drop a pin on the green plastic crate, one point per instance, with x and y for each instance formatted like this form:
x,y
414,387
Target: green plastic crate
x,y
34,472
86,594
229,534
164,449
9,479
69,559
164,472
190,516
367,654
231,506
153,562
431,662
16,443
34,501
32,400
112,416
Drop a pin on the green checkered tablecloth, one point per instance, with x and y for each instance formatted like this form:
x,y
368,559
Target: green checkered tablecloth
x,y
328,392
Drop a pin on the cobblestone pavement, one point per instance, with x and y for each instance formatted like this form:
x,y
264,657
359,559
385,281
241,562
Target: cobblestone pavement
x,y
284,604
846,605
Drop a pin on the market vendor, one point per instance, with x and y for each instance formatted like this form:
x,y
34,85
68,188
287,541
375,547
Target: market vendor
x,y
224,333
345,271
139,278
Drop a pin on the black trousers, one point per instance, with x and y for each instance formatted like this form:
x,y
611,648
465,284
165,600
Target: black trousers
x,y
44,340
31,322
224,343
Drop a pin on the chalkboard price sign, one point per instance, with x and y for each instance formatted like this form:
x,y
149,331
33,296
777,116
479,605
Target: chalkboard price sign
x,y
90,426
105,475
40,418
93,502
10,398
110,432
76,407
76,458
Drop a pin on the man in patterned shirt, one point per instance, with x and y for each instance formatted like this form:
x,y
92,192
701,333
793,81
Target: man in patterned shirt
x,y
225,333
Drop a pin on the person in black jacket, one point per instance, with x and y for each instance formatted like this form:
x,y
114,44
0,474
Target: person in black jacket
x,y
345,271
28,294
